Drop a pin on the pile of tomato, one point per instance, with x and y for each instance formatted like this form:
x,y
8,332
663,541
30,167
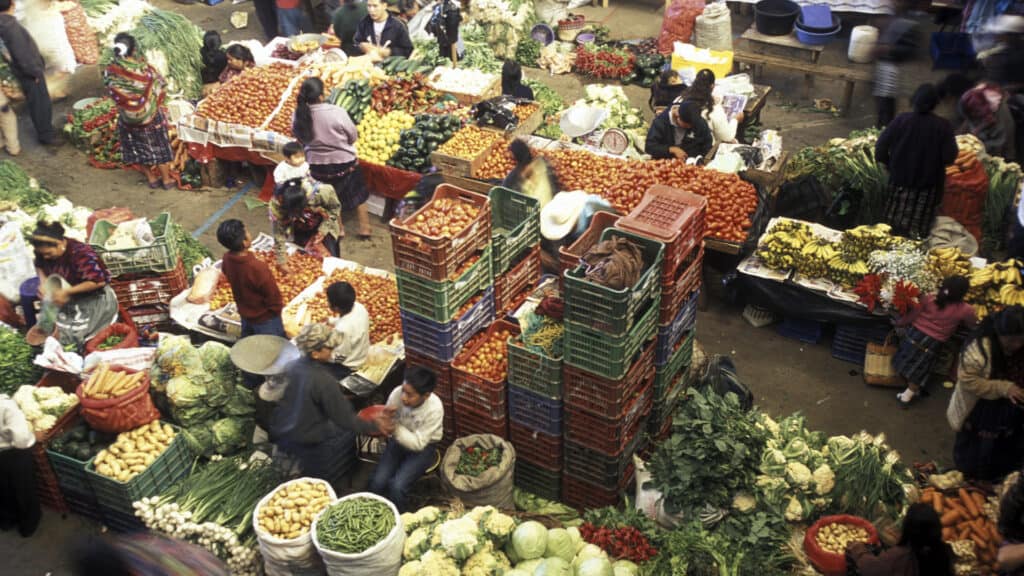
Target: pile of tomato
x,y
486,355
443,217
249,98
379,294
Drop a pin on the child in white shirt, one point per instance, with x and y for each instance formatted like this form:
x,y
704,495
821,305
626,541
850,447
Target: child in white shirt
x,y
412,449
294,164
19,505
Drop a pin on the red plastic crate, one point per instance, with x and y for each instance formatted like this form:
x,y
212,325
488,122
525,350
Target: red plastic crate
x,y
569,258
47,486
469,421
442,370
687,279
438,258
672,216
609,435
537,448
483,395
593,394
157,316
515,286
134,290
583,495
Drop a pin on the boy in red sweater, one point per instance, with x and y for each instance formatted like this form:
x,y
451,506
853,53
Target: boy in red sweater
x,y
254,288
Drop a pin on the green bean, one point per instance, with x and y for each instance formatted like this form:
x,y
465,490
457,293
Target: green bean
x,y
354,525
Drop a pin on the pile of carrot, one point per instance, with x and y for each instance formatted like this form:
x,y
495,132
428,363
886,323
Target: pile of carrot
x,y
963,518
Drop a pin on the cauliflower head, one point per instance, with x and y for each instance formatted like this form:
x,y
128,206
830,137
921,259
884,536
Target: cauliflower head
x,y
798,474
416,544
435,563
499,526
460,538
744,502
414,568
824,479
422,517
485,562
794,510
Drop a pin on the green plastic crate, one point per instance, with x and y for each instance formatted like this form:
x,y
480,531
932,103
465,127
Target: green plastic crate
x,y
534,370
538,481
160,256
606,355
172,465
439,301
665,375
71,476
614,311
515,226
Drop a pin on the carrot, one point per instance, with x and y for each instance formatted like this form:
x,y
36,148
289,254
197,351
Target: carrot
x,y
955,505
978,527
968,503
937,503
950,518
948,534
979,542
979,499
994,532
926,497
964,533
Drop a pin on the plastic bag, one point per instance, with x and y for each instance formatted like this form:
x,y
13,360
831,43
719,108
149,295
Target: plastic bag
x,y
493,487
46,26
677,25
204,285
383,558
123,413
286,557
16,262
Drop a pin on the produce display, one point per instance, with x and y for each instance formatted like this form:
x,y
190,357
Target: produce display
x,y
379,135
604,61
444,217
470,142
249,98
967,517
354,97
170,42
93,129
81,442
490,359
333,74
462,81
995,286
408,93
477,542
416,143
379,294
837,536
474,460
106,383
399,64
354,525
43,405
290,511
134,451
16,367
621,543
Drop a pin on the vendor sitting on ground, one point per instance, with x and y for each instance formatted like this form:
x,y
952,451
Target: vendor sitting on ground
x,y
930,324
352,324
381,35
419,425
512,81
532,175
314,422
85,301
238,59
920,551
679,132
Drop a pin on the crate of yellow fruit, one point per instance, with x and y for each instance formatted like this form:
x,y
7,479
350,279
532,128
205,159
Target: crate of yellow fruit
x,y
465,153
379,134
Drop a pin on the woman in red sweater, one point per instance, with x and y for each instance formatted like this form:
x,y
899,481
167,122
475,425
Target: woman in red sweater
x,y
931,323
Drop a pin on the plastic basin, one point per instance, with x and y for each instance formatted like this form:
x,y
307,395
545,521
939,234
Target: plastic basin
x,y
775,17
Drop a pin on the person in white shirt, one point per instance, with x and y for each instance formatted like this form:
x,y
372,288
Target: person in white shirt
x,y
702,93
418,416
294,164
353,323
19,504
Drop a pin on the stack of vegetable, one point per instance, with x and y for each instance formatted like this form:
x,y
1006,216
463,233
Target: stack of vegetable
x,y
190,250
462,81
81,442
354,525
964,517
105,383
439,543
93,129
43,405
469,142
605,61
474,460
416,143
646,69
18,187
398,64
170,43
377,292
354,97
213,507
506,22
292,508
476,55
407,93
1004,180
380,134
16,367
134,451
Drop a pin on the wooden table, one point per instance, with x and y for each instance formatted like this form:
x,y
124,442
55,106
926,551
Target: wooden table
x,y
786,45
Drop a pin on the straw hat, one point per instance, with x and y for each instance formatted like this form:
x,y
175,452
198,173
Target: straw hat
x,y
263,354
558,217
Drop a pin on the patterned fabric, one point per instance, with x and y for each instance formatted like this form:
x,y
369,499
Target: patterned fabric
x,y
147,145
911,211
917,356
137,89
348,182
319,217
887,79
152,555
78,264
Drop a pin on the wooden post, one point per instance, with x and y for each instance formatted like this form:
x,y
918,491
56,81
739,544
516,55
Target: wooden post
x,y
455,56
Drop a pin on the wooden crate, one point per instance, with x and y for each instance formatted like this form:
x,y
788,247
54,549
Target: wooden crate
x,y
525,127
492,91
455,166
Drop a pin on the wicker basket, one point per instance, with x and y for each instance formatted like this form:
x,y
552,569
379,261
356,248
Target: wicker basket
x,y
878,366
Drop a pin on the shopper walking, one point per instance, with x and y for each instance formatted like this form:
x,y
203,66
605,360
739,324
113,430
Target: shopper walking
x,y
920,551
19,505
27,64
985,410
916,147
266,13
896,45
329,136
986,113
929,325
138,90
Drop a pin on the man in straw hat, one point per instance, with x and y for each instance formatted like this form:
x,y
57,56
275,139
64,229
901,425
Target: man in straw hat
x,y
563,220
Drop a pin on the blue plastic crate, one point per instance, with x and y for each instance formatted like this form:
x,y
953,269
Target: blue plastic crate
x,y
670,334
443,341
535,411
806,331
951,51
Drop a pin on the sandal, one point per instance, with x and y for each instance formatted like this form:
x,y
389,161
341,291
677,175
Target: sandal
x,y
154,185
170,185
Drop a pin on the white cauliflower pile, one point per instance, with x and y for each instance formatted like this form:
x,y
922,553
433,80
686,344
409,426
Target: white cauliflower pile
x,y
43,405
440,544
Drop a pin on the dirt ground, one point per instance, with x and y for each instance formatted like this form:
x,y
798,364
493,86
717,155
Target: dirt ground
x,y
785,374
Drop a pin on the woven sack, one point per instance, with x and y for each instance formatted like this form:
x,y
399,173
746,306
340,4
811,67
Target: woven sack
x,y
493,487
878,368
123,413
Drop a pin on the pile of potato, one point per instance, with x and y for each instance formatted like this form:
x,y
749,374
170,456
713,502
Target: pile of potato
x,y
835,538
291,509
134,451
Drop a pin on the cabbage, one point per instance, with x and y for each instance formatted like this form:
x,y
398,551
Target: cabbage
x,y
199,440
577,538
560,545
556,567
231,434
530,565
530,540
625,568
595,567
184,392
241,403
586,553
518,572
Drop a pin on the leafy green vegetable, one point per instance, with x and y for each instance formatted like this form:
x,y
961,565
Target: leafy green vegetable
x,y
16,367
527,52
192,252
16,186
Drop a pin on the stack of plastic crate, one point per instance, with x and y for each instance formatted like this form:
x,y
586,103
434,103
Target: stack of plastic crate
x,y
481,403
515,247
677,219
608,375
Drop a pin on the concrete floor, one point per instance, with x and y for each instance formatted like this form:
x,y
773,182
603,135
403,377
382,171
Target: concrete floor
x,y
785,375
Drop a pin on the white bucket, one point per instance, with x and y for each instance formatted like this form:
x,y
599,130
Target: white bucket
x,y
862,44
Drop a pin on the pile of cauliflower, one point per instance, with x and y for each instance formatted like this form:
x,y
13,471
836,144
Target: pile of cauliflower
x,y
441,544
43,405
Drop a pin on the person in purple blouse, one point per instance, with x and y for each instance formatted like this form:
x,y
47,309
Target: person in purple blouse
x,y
84,299
329,137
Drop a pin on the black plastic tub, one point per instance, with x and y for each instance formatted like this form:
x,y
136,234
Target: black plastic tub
x,y
775,17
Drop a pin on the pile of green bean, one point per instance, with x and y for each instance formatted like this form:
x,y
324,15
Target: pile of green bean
x,y
354,525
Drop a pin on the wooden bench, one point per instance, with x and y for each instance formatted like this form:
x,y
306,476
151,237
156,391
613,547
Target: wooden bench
x,y
848,74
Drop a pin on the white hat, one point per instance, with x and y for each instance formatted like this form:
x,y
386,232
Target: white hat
x,y
263,354
558,217
1006,24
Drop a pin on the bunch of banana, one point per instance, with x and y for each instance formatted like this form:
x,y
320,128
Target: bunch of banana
x,y
845,270
780,248
1011,295
1007,272
946,262
861,241
814,258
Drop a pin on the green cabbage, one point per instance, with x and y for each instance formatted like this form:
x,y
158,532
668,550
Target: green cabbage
x,y
577,538
530,540
530,565
220,373
241,403
586,553
556,567
560,545
199,440
595,567
625,568
232,434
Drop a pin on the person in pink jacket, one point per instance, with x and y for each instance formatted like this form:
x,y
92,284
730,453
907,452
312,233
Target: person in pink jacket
x,y
930,324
